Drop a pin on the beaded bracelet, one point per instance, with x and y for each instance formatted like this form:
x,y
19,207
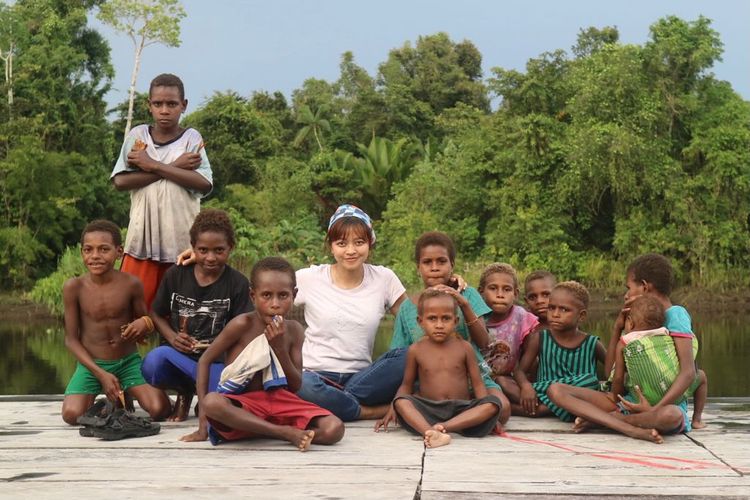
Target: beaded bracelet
x,y
469,323
149,323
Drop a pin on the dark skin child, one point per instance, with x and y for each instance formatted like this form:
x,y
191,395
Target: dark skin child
x,y
211,253
273,296
166,107
564,313
97,306
444,364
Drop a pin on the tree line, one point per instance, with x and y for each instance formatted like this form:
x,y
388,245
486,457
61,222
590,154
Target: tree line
x,y
585,159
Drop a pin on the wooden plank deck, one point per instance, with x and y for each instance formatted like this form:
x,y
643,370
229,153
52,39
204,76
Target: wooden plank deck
x,y
41,457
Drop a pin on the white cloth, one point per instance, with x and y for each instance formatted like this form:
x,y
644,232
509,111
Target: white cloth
x,y
256,356
639,334
162,212
341,324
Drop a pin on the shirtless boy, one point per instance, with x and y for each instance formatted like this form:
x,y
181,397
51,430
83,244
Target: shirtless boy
x,y
105,315
444,364
274,412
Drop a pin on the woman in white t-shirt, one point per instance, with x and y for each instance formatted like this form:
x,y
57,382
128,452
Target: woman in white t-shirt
x,y
344,303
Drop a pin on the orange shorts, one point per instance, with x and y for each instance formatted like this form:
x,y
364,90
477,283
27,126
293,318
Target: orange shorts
x,y
277,406
149,272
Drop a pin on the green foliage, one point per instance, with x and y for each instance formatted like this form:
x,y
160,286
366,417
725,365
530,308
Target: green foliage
x,y
156,21
590,159
300,241
48,291
238,138
19,251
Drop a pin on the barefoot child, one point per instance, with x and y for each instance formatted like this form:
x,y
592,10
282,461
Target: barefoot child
x,y
508,324
444,364
650,358
649,274
275,412
167,172
98,306
566,355
192,306
435,257
536,291
652,275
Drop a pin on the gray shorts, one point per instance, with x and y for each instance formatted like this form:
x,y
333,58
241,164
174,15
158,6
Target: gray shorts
x,y
441,411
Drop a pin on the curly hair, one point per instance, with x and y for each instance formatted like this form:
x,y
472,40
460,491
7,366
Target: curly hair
x,y
431,293
647,312
539,275
438,239
498,267
577,290
653,268
213,220
272,264
104,226
168,80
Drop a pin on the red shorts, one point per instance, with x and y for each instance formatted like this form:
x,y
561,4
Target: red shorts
x,y
277,406
149,272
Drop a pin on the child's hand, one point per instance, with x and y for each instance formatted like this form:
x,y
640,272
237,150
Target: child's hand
x,y
183,342
642,406
110,386
188,161
275,333
390,417
462,302
623,316
186,258
141,159
135,330
458,281
529,401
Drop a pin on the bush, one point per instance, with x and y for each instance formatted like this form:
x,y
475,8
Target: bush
x,y
48,291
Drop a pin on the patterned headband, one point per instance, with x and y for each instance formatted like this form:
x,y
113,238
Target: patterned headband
x,y
352,211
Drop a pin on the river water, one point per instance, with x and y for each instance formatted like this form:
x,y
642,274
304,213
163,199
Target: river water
x,y
34,359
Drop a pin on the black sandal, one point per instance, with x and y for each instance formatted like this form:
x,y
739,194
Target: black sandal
x,y
122,424
97,415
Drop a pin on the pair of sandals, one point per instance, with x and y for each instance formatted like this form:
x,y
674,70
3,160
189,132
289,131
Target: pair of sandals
x,y
106,422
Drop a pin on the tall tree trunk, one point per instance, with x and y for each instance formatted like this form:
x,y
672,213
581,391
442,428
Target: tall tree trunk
x,y
8,59
133,77
315,133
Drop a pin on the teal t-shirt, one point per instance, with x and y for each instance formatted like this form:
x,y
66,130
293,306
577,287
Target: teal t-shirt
x,y
406,330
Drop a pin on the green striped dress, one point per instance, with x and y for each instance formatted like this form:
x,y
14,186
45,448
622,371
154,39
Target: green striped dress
x,y
558,364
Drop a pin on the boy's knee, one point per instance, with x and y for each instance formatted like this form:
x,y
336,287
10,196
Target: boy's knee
x,y
329,429
70,417
670,417
212,403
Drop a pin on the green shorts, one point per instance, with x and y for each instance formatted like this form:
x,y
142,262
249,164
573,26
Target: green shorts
x,y
127,370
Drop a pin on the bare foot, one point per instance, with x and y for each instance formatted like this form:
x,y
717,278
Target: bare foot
x,y
181,408
581,425
434,438
647,435
302,439
373,412
698,424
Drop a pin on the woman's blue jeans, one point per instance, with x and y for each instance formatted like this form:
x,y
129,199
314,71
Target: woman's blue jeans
x,y
375,385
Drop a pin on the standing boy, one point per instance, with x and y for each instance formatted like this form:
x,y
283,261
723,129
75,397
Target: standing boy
x,y
166,170
274,412
444,364
104,317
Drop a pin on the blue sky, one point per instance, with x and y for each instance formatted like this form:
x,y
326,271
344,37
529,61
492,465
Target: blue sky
x,y
249,45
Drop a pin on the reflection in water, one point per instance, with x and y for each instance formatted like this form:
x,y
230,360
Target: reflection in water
x,y
35,361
